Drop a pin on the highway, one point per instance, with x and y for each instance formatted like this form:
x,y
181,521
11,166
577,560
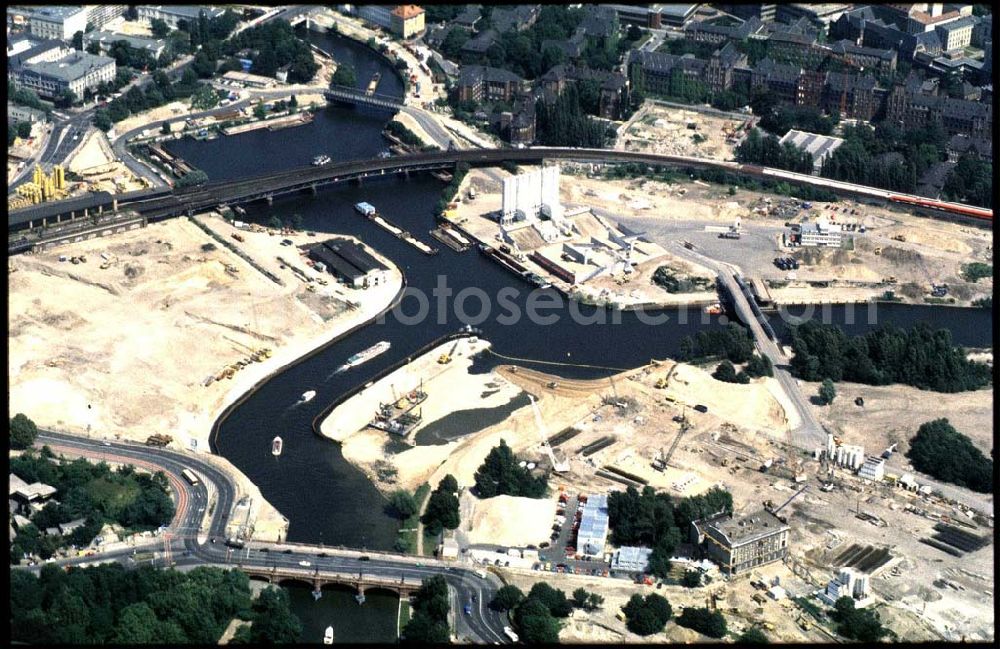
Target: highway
x,y
482,625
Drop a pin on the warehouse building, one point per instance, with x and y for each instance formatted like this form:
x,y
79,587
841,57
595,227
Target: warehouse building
x,y
820,147
350,262
593,532
742,544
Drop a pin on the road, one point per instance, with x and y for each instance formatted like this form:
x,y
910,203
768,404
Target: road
x,y
482,625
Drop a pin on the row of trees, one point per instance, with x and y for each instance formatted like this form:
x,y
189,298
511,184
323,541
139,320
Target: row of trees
x,y
920,357
769,152
442,507
109,604
727,373
781,119
655,520
136,100
732,342
93,492
500,475
429,620
946,454
564,122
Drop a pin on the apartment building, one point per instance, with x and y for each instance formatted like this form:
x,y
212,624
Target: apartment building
x,y
479,83
59,22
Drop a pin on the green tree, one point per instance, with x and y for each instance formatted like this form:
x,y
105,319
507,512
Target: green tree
x,y
23,432
165,129
205,98
260,111
759,365
946,454
442,508
646,616
704,621
191,179
345,75
429,623
691,579
273,619
274,223
159,28
506,598
535,623
402,505
137,625
78,41
24,130
753,635
553,599
448,484
857,624
297,221
102,120
827,392
500,474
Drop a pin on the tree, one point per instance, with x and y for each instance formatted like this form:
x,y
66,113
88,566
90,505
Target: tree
x,y
297,222
102,120
506,598
553,599
203,65
727,373
260,111
759,365
500,474
274,223
66,99
827,392
535,623
24,130
691,579
165,129
192,178
442,508
448,484
429,623
946,454
159,28
857,624
137,625
704,621
402,504
273,619
22,432
78,41
345,75
646,616
753,635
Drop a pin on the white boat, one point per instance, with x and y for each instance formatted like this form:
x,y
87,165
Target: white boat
x,y
276,445
307,396
366,355
321,160
328,636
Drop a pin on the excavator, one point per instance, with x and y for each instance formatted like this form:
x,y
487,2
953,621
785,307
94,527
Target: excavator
x,y
444,359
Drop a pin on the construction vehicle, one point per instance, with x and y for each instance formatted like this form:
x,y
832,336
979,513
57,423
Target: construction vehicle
x,y
899,237
238,237
444,359
878,250
158,440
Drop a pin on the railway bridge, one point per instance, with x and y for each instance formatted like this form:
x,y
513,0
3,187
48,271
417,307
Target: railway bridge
x,y
347,95
319,578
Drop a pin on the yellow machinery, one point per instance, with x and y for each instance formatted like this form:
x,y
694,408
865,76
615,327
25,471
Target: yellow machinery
x,y
43,187
444,359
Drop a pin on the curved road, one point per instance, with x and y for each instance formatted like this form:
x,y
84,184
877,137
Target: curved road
x,y
482,625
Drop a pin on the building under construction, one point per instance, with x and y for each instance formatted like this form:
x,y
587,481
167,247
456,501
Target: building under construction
x,y
744,543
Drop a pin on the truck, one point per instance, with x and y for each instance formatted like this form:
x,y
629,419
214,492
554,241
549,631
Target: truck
x,y
509,632
688,245
480,573
158,440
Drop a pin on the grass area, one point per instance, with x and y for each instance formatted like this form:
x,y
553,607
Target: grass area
x,y
430,544
112,497
407,539
404,615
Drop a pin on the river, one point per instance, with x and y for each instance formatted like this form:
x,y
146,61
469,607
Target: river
x,y
325,498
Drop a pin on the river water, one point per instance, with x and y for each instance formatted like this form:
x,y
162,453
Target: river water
x,y
326,499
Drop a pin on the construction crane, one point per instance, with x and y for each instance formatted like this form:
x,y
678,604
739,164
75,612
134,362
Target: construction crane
x,y
557,467
677,440
775,510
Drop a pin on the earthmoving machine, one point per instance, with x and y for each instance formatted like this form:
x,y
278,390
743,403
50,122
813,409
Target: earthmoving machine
x,y
444,359
557,466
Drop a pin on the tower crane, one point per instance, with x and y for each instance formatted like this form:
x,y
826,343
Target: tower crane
x,y
557,467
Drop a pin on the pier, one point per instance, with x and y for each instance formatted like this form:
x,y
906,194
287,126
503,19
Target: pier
x,y
399,232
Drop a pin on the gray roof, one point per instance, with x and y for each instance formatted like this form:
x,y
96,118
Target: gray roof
x,y
15,483
58,13
472,74
967,21
961,143
136,42
792,37
663,62
469,16
481,42
819,146
594,522
189,12
728,54
837,81
848,47
17,61
598,21
66,528
334,262
355,255
631,558
69,68
571,47
505,19
772,70
738,531
677,10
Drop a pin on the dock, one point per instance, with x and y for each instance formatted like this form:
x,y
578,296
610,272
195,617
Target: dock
x,y
451,238
399,232
276,124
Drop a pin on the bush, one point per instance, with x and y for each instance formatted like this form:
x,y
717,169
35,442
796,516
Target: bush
x,y
345,76
942,452
827,392
704,621
732,342
727,373
753,635
507,598
758,366
691,579
976,270
191,179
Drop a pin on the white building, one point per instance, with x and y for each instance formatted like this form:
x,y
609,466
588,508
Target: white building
x,y
631,559
102,15
528,196
820,234
873,469
848,583
105,40
76,71
173,14
593,532
956,35
57,21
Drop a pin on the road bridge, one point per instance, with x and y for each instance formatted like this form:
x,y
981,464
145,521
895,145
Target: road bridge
x,y
347,95
319,578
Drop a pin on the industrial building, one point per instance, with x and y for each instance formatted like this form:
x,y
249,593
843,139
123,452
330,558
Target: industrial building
x,y
873,469
528,196
848,583
849,456
350,262
820,234
631,559
741,544
820,147
593,532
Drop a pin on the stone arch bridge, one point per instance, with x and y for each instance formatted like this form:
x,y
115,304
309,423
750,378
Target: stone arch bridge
x,y
319,578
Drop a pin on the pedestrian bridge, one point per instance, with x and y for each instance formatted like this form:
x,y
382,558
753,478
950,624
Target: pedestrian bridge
x,y
319,578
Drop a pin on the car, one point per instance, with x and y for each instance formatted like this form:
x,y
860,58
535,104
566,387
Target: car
x,y
322,554
304,564
286,552
419,565
659,585
468,609
365,557
106,443
264,550
287,242
212,540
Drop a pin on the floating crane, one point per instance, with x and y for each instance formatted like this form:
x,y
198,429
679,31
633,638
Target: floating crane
x,y
558,467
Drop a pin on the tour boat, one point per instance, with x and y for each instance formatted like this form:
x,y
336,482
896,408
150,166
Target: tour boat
x,y
328,636
307,395
714,309
366,355
321,160
276,446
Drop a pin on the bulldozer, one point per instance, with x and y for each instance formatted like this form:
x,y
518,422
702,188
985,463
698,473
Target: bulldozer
x,y
444,359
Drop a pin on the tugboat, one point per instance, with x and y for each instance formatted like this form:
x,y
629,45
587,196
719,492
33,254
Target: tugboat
x,y
321,160
328,636
714,309
276,445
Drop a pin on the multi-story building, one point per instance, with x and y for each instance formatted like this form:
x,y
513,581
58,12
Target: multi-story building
x,y
101,15
518,126
676,15
76,71
16,114
907,109
172,15
851,95
742,544
956,35
781,80
848,583
866,57
765,12
629,559
57,21
820,15
654,72
702,32
593,530
983,30
478,83
613,87
719,71
960,145
515,18
406,20
105,40
800,48
873,469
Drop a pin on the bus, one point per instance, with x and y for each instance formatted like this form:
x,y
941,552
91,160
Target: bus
x,y
190,477
510,633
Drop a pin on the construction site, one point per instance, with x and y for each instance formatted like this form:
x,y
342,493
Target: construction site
x,y
655,128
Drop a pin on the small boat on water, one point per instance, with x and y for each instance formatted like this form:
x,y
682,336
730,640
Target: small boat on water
x,y
714,309
276,445
307,396
328,635
360,598
321,160
366,355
